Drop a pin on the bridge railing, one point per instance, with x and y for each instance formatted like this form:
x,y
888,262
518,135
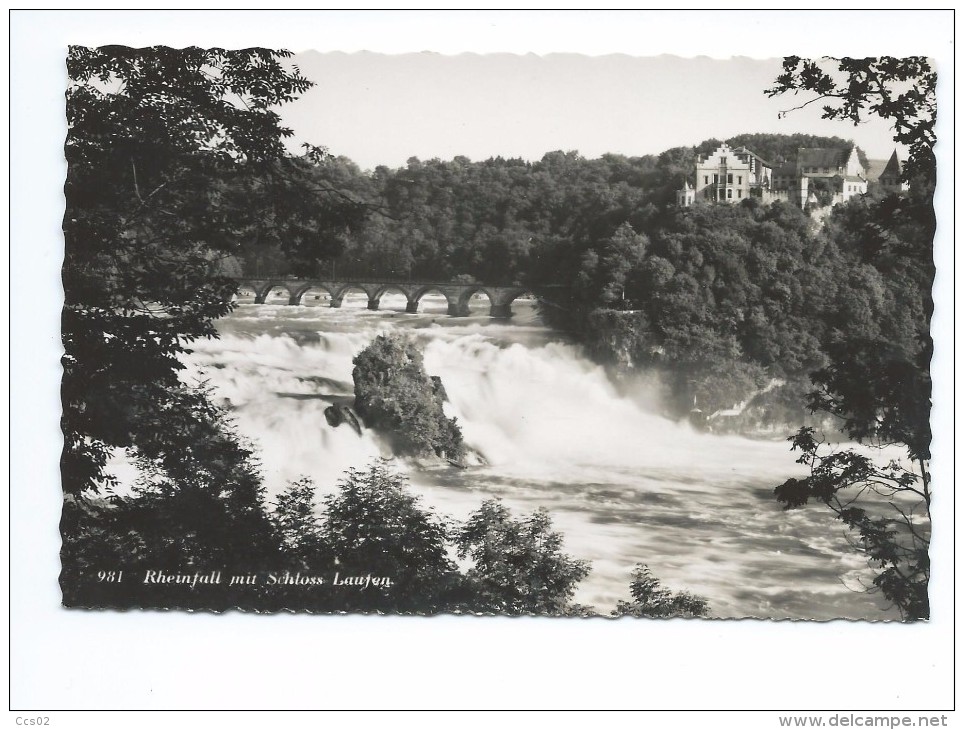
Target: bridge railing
x,y
374,280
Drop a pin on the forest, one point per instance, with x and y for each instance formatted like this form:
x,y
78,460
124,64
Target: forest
x,y
729,305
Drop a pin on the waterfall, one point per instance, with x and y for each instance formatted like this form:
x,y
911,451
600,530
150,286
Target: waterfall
x,y
623,484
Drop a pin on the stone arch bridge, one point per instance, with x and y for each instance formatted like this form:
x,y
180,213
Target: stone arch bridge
x,y
457,295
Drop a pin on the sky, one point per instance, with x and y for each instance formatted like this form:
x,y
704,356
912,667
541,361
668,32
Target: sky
x,y
381,109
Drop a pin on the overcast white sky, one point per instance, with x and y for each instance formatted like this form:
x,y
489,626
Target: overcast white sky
x,y
383,109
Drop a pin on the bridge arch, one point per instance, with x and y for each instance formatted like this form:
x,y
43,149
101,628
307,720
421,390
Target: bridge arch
x,y
411,305
500,299
470,292
245,286
261,295
299,292
339,292
511,294
421,291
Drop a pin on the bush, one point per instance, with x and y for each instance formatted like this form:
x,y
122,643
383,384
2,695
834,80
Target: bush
x,y
373,526
652,600
519,567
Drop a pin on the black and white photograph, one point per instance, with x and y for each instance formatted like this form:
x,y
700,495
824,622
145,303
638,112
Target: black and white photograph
x,y
611,338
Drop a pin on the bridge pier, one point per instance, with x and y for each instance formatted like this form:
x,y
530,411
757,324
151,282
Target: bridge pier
x,y
258,299
294,301
411,307
373,304
458,310
335,303
500,311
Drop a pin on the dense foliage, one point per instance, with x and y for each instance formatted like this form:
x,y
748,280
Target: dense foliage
x,y
175,162
877,377
518,566
156,136
197,506
505,220
309,556
728,303
393,393
877,383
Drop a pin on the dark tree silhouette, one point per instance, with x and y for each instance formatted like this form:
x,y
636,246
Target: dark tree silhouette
x,y
152,135
877,378
901,90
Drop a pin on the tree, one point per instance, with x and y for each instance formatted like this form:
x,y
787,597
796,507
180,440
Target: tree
x,y
153,134
373,526
652,600
608,273
299,211
198,504
300,530
902,90
895,540
166,150
518,566
877,378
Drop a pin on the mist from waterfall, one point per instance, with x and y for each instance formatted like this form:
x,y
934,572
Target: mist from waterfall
x,y
622,483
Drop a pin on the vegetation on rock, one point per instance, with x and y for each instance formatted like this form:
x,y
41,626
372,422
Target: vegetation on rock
x,y
393,393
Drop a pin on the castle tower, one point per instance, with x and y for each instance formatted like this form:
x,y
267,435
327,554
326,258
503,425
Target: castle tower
x,y
890,177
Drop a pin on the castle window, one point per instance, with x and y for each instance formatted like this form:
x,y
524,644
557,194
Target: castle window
x,y
706,179
716,178
739,193
729,178
739,180
729,192
722,160
826,169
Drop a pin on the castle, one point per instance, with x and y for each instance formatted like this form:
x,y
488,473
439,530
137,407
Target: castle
x,y
820,176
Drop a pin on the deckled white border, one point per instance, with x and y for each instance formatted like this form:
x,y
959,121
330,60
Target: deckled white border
x,y
81,659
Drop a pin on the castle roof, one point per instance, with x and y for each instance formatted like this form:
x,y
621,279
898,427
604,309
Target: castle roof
x,y
893,168
875,168
745,151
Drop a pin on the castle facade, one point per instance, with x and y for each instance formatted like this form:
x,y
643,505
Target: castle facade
x,y
820,176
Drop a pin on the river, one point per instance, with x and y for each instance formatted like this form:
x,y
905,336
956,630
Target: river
x,y
623,484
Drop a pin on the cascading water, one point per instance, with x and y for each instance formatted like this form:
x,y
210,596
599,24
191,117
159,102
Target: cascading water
x,y
624,485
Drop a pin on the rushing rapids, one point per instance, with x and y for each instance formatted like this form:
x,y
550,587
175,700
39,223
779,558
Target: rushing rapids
x,y
624,485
